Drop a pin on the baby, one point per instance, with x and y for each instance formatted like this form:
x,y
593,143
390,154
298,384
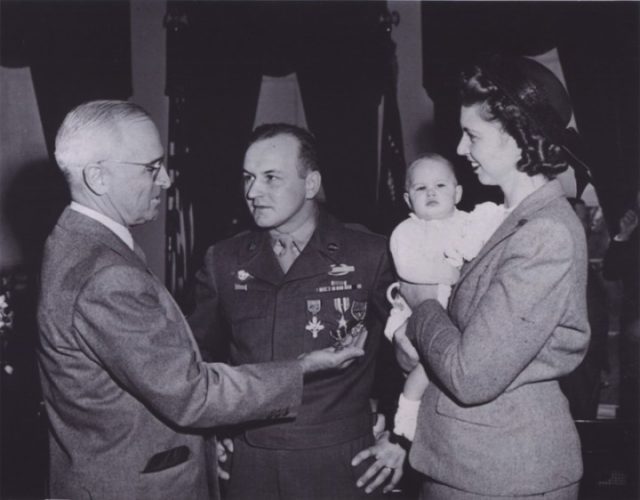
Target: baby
x,y
429,248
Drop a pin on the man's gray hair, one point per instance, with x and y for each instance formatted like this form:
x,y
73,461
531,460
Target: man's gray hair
x,y
85,133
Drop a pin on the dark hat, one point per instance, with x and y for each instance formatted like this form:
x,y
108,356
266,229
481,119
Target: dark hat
x,y
542,98
534,89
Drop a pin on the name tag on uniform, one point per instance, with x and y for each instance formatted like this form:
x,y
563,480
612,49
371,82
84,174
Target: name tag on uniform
x,y
338,286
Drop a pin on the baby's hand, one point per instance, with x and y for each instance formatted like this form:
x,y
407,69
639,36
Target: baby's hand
x,y
400,335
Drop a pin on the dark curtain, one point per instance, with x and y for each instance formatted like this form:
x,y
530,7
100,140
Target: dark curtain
x,y
217,54
77,51
599,55
598,48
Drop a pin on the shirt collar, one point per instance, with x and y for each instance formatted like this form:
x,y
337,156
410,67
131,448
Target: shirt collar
x,y
300,236
121,231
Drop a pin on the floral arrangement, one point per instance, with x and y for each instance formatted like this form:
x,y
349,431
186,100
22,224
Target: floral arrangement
x,y
6,318
6,314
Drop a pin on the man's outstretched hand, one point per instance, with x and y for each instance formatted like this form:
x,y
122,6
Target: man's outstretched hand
x,y
333,358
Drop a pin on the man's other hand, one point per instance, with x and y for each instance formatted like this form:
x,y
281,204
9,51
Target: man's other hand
x,y
386,469
224,448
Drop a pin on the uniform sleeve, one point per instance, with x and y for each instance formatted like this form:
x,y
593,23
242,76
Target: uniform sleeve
x,y
142,341
205,321
513,321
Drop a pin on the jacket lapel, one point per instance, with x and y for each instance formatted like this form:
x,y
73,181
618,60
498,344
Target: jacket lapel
x,y
322,251
518,218
80,223
256,257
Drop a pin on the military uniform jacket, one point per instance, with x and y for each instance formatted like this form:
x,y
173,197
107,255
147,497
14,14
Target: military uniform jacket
x,y
123,382
335,286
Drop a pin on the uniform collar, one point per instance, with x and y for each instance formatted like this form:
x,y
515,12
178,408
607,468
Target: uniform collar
x,y
323,250
301,236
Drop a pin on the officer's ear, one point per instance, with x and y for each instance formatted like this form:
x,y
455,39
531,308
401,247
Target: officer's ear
x,y
96,178
313,183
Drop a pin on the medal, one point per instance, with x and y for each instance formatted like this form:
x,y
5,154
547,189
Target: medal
x,y
357,330
359,310
341,305
314,325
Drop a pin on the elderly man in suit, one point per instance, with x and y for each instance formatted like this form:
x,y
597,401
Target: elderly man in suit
x,y
124,385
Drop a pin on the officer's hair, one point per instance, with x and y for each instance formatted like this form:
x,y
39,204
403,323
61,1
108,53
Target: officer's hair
x,y
82,133
308,150
434,157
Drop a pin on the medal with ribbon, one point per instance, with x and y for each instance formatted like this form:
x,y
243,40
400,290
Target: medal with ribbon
x,y
359,312
314,325
341,305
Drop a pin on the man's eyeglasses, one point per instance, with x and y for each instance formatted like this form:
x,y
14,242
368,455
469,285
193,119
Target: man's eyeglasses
x,y
153,167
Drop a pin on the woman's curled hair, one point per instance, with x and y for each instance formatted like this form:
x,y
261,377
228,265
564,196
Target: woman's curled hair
x,y
540,155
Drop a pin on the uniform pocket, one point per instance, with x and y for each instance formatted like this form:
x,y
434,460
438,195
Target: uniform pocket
x,y
246,305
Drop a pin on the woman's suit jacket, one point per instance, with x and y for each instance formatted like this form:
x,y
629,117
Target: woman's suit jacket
x,y
494,420
123,381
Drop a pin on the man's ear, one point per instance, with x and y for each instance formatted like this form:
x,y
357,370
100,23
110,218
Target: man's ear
x,y
407,200
312,182
458,193
95,178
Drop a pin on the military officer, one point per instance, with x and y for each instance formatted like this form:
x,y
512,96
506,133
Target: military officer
x,y
301,281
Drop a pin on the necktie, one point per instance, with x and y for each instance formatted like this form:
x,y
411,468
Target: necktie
x,y
286,252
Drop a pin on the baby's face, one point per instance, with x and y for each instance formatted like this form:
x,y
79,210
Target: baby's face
x,y
432,191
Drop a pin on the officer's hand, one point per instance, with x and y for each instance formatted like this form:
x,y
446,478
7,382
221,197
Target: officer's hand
x,y
387,467
379,426
224,448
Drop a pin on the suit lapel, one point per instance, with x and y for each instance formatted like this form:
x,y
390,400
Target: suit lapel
x,y
80,223
518,218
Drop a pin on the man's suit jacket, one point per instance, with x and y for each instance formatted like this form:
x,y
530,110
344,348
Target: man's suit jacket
x,y
123,382
494,421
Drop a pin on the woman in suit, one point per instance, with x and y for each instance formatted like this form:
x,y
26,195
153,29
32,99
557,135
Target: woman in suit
x,y
494,422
